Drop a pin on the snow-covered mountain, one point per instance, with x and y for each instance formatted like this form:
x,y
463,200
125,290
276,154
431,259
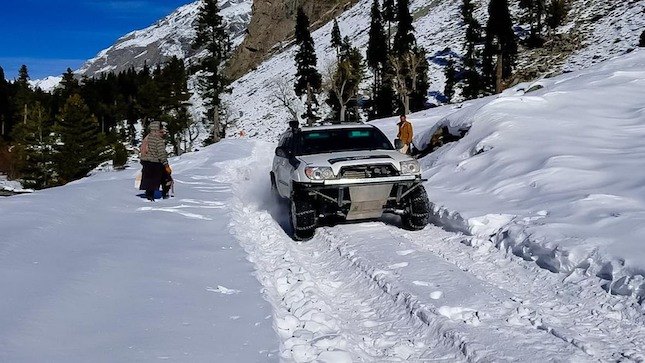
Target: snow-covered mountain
x,y
535,253
47,84
170,36
594,31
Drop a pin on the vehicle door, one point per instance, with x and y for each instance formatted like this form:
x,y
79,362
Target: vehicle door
x,y
282,166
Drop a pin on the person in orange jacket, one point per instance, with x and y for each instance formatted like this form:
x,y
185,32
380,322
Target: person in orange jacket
x,y
405,134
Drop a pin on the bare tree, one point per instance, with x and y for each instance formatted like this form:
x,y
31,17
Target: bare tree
x,y
335,79
406,74
282,92
399,81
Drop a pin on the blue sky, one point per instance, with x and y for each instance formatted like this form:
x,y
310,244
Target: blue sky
x,y
51,35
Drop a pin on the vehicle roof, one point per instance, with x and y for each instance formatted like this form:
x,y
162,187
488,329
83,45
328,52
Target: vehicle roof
x,y
349,125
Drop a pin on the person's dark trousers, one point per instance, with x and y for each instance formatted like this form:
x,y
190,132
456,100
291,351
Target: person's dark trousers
x,y
166,183
152,174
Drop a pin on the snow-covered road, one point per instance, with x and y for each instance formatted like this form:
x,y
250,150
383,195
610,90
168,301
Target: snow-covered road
x,y
90,272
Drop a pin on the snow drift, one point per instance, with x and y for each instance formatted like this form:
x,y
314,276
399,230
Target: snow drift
x,y
555,175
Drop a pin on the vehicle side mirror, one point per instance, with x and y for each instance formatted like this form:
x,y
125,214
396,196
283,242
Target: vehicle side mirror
x,y
398,144
281,152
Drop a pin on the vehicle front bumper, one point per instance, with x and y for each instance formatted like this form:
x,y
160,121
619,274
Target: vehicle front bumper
x,y
361,198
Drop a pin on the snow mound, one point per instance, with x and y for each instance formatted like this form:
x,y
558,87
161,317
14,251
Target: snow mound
x,y
11,186
554,175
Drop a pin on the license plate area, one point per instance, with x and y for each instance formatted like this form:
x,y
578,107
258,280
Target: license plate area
x,y
367,201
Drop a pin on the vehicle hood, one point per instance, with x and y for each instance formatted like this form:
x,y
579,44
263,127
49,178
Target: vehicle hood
x,y
339,159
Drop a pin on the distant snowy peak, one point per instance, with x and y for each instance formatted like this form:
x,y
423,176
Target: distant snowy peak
x,y
170,36
46,84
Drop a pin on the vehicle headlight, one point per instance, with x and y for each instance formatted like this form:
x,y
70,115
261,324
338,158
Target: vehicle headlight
x,y
410,167
319,173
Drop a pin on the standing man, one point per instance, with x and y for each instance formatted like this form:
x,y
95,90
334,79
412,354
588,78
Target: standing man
x,y
156,171
405,134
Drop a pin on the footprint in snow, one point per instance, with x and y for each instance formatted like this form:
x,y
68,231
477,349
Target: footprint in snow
x,y
422,283
405,252
177,211
223,290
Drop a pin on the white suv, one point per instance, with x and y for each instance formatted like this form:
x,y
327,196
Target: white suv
x,y
350,171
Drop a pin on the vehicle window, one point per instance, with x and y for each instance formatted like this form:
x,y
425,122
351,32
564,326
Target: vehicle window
x,y
334,140
283,139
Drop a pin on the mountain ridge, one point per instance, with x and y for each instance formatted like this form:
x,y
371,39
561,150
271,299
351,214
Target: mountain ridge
x,y
171,36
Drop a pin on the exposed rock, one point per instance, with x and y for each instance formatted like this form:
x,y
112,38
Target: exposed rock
x,y
273,22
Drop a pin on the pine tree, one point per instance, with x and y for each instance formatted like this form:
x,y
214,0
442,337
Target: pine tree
x,y
336,39
500,42
5,102
377,56
389,16
212,37
404,39
556,12
472,82
120,156
377,51
408,64
23,77
308,79
80,149
33,143
23,97
173,82
385,97
419,80
451,80
149,97
535,12
69,85
473,28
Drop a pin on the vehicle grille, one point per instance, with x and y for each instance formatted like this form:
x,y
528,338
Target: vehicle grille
x,y
368,171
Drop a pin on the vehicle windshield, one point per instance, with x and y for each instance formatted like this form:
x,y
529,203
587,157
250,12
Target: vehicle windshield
x,y
345,139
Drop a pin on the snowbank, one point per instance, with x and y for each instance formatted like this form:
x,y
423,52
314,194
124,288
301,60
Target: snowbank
x,y
555,175
11,186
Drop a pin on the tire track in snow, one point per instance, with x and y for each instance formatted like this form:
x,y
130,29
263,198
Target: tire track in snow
x,y
332,299
325,309
605,327
571,307
459,309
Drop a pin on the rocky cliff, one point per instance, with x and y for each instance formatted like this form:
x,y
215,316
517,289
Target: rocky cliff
x,y
272,26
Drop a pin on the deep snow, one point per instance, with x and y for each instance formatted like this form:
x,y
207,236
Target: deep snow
x,y
91,272
536,254
554,175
